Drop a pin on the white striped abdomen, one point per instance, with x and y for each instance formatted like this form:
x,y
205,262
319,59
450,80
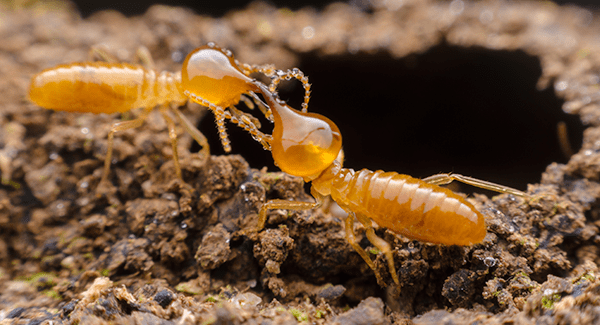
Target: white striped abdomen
x,y
409,206
99,87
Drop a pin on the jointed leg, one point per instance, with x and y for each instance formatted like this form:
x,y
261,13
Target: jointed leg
x,y
143,55
351,238
120,126
443,179
381,244
194,132
100,53
173,137
287,205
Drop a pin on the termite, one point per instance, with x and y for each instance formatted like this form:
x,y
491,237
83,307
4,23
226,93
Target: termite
x,y
309,145
110,87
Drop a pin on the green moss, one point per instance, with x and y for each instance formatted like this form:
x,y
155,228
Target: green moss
x,y
13,184
374,251
47,259
522,273
211,299
43,278
319,314
548,301
52,294
105,272
274,176
588,276
300,315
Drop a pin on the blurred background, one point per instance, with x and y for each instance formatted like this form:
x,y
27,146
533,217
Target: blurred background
x,y
218,8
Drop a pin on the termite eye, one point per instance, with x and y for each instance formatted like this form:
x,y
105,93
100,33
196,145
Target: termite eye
x,y
304,144
209,75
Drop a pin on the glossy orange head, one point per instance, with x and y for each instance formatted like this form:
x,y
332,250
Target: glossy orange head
x,y
303,144
210,75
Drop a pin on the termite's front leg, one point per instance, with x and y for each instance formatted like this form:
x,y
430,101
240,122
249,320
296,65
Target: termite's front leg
x,y
287,205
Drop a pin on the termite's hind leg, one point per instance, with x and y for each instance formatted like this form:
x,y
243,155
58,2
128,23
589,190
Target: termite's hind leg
x,y
443,179
116,127
351,238
381,244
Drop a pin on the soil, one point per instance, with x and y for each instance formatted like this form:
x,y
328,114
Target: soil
x,y
152,250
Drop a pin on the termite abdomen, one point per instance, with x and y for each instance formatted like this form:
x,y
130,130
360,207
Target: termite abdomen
x,y
94,87
411,207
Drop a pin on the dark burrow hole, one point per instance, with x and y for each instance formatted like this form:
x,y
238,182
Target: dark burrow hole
x,y
471,111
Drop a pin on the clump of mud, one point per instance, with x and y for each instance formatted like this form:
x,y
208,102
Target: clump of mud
x,y
154,250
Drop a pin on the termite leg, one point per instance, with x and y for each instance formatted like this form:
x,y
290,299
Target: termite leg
x,y
563,139
443,179
120,126
100,53
194,132
144,57
381,244
351,238
287,205
173,137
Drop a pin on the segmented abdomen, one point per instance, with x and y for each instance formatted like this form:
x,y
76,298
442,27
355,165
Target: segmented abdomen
x,y
95,87
410,206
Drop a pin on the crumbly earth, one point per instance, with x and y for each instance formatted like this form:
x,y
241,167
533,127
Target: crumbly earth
x,y
151,250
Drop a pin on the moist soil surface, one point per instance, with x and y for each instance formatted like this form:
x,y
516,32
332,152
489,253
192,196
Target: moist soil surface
x,y
147,248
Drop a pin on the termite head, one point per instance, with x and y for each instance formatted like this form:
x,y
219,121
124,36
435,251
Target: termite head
x,y
303,144
210,75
